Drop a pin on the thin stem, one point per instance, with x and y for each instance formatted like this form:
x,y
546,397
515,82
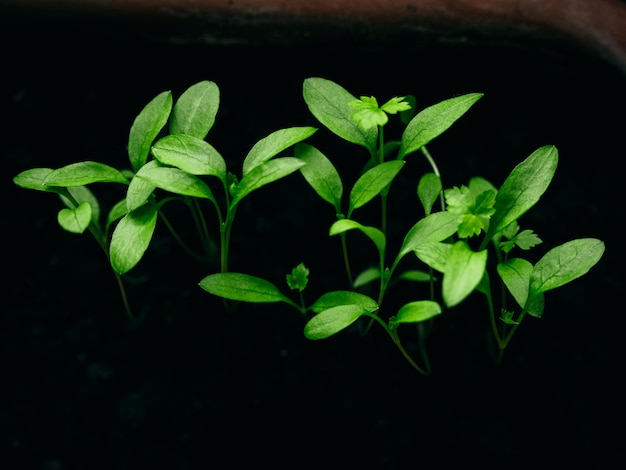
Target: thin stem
x,y
433,165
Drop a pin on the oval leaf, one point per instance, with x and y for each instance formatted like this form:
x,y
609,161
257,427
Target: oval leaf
x,y
433,228
194,112
330,104
565,263
190,154
242,287
344,297
265,174
34,179
434,121
176,181
270,146
333,320
82,173
463,271
515,273
372,182
140,189
523,187
374,234
320,174
146,127
131,238
418,311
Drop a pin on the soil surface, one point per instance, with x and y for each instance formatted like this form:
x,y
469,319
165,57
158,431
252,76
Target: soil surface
x,y
194,386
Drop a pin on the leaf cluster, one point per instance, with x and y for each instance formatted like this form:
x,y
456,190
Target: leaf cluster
x,y
468,240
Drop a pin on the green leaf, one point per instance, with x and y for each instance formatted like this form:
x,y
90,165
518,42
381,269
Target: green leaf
x,y
242,287
366,276
344,297
263,175
372,182
417,311
176,181
515,273
34,179
434,254
75,220
396,105
82,173
332,321
131,238
140,189
270,146
565,263
415,275
190,154
117,212
194,112
374,234
147,125
463,271
82,194
330,104
368,113
320,174
435,227
299,278
523,187
428,190
434,121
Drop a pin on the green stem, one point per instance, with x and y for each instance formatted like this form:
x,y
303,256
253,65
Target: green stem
x,y
433,165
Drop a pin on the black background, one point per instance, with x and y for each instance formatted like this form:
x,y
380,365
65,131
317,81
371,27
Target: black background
x,y
194,386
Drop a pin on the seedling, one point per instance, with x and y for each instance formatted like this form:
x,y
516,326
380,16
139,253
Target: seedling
x,y
468,239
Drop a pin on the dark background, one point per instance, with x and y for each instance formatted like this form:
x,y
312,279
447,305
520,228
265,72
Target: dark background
x,y
193,386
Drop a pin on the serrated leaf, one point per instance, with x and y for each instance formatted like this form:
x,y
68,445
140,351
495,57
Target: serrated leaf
x,y
299,278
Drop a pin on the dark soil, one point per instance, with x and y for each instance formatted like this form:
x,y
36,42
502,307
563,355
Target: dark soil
x,y
194,386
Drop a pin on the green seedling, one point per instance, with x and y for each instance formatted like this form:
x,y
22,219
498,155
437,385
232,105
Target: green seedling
x,y
166,167
467,240
449,247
